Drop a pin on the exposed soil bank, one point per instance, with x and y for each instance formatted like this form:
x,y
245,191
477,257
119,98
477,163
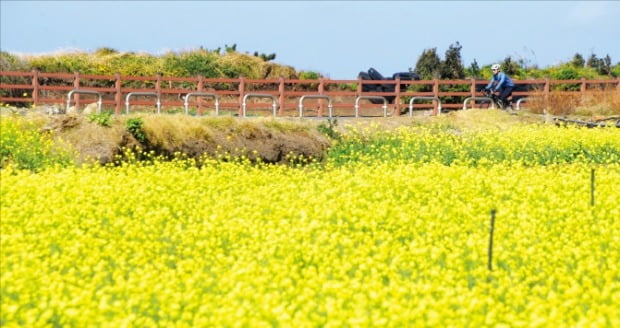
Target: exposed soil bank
x,y
271,140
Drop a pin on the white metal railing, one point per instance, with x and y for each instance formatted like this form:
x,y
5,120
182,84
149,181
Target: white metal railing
x,y
129,95
357,105
478,98
424,98
90,92
201,94
329,103
259,95
519,102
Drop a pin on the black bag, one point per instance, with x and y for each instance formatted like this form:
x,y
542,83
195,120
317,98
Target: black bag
x,y
375,75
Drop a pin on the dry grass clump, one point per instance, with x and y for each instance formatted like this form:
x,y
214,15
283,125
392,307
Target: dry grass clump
x,y
171,131
91,141
269,139
253,67
592,103
600,103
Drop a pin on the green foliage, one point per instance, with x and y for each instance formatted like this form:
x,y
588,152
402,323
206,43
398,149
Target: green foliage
x,y
265,57
526,145
232,64
451,67
135,127
231,49
567,72
192,63
578,61
104,51
615,70
428,65
329,129
511,67
64,63
24,145
602,65
132,64
10,62
103,118
309,75
474,70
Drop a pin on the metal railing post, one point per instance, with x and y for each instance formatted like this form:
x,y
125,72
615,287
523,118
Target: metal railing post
x,y
425,98
329,103
201,94
519,102
259,95
357,105
477,98
158,103
78,91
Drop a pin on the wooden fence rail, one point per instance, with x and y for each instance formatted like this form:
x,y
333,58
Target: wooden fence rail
x,y
50,88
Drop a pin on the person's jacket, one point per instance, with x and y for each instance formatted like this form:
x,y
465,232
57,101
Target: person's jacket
x,y
502,81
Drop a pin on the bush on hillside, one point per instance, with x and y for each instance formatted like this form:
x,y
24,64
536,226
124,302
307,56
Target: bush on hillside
x,y
10,62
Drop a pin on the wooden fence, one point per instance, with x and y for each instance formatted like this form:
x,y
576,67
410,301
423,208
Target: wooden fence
x,y
52,88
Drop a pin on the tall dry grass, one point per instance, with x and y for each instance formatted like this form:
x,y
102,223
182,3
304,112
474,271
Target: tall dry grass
x,y
591,103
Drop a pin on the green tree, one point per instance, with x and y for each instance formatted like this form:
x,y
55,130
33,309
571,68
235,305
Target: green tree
x,y
601,65
510,67
578,61
566,72
428,65
452,66
606,66
474,70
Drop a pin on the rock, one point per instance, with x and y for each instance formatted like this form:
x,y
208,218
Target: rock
x,y
90,109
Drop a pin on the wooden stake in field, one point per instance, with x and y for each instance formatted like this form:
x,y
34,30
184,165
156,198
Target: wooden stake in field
x,y
490,264
592,187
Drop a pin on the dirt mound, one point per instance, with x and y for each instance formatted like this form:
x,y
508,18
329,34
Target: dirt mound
x,y
271,140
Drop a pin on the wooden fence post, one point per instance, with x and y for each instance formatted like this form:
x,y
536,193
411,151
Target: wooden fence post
x,y
118,97
435,94
35,86
358,92
241,94
547,91
158,87
200,88
281,96
397,98
583,86
321,92
582,89
76,85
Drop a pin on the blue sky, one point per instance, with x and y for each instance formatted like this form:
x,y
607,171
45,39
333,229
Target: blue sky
x,y
336,38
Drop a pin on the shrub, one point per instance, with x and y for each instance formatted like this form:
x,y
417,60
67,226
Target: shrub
x,y
25,146
134,125
103,118
10,62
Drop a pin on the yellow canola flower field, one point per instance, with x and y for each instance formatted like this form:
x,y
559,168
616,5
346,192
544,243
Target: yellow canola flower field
x,y
391,245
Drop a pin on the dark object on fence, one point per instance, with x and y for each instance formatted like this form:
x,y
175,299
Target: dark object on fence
x,y
374,75
596,124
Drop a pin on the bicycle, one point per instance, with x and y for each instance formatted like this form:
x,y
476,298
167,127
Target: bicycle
x,y
497,101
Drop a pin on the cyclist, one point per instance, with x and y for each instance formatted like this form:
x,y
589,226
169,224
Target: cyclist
x,y
501,85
